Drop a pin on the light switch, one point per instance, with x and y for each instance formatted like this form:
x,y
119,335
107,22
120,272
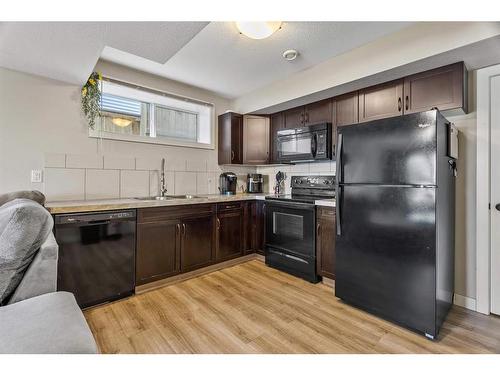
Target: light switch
x,y
36,175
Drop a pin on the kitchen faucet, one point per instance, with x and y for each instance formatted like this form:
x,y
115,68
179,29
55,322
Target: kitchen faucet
x,y
163,186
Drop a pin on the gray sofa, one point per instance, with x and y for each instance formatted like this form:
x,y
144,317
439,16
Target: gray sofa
x,y
37,318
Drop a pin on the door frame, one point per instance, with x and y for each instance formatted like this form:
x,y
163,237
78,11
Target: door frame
x,y
483,188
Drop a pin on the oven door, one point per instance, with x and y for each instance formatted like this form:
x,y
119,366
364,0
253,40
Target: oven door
x,y
290,227
296,147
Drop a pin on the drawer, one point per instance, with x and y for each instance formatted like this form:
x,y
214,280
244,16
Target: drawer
x,y
229,206
153,214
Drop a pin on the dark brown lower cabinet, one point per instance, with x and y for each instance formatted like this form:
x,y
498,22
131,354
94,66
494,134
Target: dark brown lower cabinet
x,y
197,242
325,242
230,234
260,227
158,250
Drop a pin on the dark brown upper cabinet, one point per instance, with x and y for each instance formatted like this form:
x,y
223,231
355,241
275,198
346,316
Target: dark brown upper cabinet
x,y
309,114
255,139
294,118
230,138
345,109
277,123
444,88
381,101
318,112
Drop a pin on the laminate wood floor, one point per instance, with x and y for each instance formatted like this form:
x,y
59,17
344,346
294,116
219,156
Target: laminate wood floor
x,y
251,308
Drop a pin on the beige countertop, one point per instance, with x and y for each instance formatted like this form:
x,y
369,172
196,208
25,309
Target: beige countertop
x,y
65,207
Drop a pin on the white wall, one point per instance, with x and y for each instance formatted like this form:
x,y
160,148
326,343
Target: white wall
x,y
41,126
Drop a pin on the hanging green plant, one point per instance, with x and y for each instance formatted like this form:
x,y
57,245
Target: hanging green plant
x,y
91,98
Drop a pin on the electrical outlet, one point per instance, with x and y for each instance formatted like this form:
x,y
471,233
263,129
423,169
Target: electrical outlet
x,y
36,175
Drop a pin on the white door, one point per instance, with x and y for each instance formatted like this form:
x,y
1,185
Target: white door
x,y
495,194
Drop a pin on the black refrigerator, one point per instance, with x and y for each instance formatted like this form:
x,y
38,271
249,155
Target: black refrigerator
x,y
396,219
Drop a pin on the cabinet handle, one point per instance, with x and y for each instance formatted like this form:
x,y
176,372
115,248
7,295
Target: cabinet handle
x,y
318,230
407,102
184,230
218,224
301,118
307,117
232,155
399,104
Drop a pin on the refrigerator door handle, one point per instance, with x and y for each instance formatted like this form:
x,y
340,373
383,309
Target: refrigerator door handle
x,y
338,190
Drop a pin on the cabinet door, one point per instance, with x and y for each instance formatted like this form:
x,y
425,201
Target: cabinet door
x,y
236,139
224,139
260,225
381,101
277,123
255,140
325,242
345,109
230,235
294,118
318,112
197,242
444,88
158,254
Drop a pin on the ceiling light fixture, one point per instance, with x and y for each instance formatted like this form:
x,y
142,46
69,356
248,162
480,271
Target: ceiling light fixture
x,y
258,30
121,122
290,54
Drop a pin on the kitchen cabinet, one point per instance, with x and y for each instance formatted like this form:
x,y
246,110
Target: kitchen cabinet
x,y
325,242
230,138
230,231
255,139
318,112
444,88
345,109
294,117
313,113
197,242
277,123
381,101
157,251
260,227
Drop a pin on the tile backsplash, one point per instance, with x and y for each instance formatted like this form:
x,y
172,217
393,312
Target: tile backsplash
x,y
97,176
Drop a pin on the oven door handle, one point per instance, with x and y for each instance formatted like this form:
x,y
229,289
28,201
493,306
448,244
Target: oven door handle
x,y
299,205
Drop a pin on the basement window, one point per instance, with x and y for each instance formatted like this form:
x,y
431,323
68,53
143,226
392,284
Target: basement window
x,y
142,115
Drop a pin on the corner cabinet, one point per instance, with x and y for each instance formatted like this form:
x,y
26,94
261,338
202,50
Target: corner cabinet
x,y
255,139
325,242
230,138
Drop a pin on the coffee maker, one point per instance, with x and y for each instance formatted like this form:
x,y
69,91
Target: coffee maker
x,y
255,183
227,183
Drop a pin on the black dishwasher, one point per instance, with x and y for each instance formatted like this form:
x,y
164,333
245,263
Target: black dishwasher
x,y
96,255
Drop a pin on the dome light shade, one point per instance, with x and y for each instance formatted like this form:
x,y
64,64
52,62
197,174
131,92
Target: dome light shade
x,y
121,122
258,30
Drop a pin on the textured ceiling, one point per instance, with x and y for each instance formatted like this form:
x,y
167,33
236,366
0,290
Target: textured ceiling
x,y
222,60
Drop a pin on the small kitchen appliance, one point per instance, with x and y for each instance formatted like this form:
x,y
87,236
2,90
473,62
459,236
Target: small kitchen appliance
x,y
227,183
255,183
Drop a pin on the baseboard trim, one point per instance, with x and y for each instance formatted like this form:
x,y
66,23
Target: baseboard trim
x,y
189,275
463,301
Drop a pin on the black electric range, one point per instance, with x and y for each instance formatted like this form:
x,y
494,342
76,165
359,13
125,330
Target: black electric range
x,y
291,225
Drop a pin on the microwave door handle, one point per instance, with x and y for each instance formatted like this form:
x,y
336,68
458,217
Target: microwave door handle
x,y
314,145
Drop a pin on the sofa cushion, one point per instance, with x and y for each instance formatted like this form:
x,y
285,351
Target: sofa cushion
x,y
34,195
24,227
50,323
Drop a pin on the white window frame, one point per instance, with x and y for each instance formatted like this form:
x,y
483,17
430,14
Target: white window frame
x,y
155,97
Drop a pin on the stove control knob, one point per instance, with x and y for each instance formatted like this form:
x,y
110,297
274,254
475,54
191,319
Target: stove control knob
x,y
297,181
327,182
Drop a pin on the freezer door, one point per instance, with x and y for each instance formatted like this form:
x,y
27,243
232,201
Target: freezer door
x,y
393,151
385,254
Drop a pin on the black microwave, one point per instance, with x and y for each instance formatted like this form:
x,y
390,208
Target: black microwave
x,y
308,143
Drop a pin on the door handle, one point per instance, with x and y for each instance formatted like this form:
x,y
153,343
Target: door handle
x,y
318,230
314,145
338,188
497,206
399,104
184,230
407,102
232,155
218,224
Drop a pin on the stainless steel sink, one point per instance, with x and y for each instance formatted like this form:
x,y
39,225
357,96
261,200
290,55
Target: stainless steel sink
x,y
168,197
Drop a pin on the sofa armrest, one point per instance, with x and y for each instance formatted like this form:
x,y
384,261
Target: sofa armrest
x,y
41,276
